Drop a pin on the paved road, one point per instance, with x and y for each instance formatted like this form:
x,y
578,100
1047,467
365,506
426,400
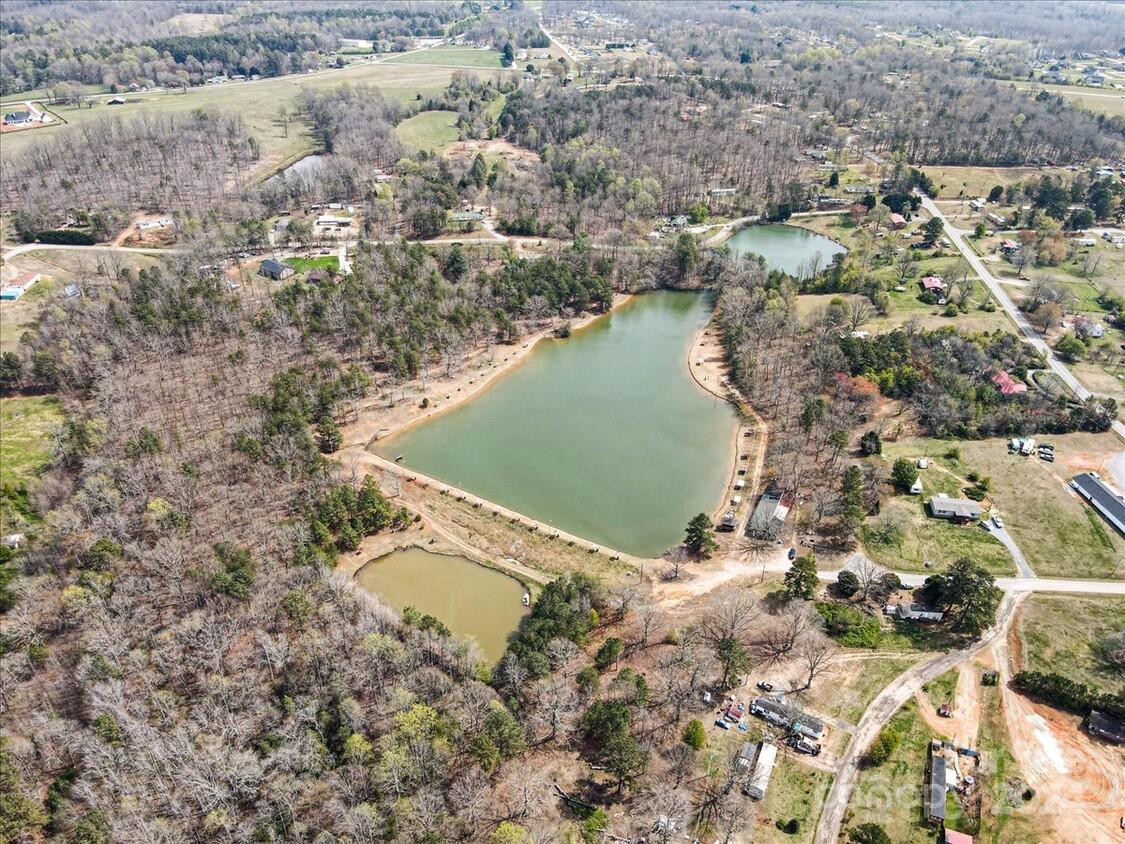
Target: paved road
x,y
883,708
1013,549
33,247
1020,584
957,236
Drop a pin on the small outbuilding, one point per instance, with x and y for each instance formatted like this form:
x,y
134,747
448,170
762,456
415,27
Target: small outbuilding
x,y
898,222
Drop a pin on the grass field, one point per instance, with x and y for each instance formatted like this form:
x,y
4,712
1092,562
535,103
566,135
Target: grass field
x,y
1059,633
851,686
926,539
1100,100
1047,521
27,426
428,130
978,181
452,56
258,103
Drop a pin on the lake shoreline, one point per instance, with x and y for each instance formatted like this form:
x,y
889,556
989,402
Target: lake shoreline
x,y
707,372
379,422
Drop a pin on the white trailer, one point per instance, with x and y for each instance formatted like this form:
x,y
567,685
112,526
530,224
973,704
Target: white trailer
x,y
1028,447
763,768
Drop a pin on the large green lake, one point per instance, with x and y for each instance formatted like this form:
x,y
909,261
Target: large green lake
x,y
604,435
787,248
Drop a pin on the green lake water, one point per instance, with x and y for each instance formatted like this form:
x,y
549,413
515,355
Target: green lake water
x,y
469,599
786,248
603,435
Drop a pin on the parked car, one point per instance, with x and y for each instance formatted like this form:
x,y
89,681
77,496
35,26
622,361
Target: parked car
x,y
996,520
803,745
792,553
764,686
722,723
945,711
1049,456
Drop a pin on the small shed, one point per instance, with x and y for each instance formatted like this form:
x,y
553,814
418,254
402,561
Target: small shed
x,y
898,222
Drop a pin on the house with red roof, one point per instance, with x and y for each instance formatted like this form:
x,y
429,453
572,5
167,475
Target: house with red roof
x,y
1008,385
898,221
952,836
934,283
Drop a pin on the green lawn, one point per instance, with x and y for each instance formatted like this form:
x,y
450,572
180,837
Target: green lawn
x,y
428,130
941,689
304,265
27,427
1059,634
449,55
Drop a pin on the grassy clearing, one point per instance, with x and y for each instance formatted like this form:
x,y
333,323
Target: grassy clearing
x,y
1046,520
977,181
304,265
891,794
429,130
452,56
850,688
926,539
1098,100
941,689
258,103
27,426
1059,633
795,792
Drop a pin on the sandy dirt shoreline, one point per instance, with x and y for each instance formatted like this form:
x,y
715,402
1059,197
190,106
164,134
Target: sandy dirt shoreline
x,y
392,413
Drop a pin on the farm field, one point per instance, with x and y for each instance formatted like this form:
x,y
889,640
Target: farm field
x,y
27,426
1058,534
1059,633
1101,100
978,181
451,56
428,130
258,103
